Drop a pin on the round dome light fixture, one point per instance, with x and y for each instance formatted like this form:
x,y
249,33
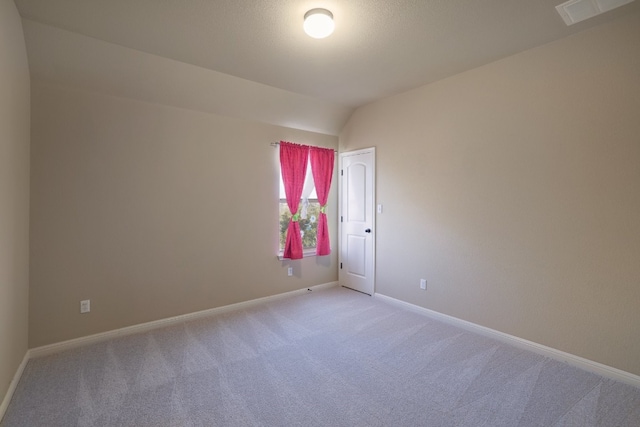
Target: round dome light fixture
x,y
318,23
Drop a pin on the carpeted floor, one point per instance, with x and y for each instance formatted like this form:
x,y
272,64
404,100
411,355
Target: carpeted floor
x,y
326,358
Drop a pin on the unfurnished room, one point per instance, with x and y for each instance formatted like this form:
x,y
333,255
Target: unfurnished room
x,y
319,213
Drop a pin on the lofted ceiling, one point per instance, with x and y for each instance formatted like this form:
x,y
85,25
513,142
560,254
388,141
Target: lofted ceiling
x,y
250,58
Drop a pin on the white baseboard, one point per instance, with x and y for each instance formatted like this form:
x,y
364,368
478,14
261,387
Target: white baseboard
x,y
148,326
571,359
12,385
143,327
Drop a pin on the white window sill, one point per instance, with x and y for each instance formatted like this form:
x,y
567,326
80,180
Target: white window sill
x,y
305,253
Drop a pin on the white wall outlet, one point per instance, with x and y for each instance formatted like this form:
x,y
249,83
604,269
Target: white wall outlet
x,y
85,306
423,284
290,271
379,209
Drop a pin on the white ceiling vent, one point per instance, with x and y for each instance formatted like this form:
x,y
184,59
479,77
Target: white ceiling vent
x,y
574,11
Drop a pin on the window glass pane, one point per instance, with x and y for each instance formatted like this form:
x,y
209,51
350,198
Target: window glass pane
x,y
313,194
308,226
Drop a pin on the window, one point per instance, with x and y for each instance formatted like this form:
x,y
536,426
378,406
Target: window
x,y
308,217
299,189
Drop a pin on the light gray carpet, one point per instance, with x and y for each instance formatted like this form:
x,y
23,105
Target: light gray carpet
x,y
326,358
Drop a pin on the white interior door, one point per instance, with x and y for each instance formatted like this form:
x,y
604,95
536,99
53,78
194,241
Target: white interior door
x,y
357,222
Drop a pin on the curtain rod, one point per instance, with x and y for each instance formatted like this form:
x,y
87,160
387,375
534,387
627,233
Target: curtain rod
x,y
276,144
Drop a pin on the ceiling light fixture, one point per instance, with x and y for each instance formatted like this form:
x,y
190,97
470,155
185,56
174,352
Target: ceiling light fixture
x,y
318,23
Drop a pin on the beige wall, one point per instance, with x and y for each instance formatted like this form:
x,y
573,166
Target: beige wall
x,y
14,194
152,211
514,189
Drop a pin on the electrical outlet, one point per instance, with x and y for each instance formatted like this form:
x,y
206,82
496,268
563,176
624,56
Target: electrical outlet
x,y
85,306
290,271
423,284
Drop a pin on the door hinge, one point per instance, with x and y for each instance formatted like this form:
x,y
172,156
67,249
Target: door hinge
x,y
341,172
341,220
340,266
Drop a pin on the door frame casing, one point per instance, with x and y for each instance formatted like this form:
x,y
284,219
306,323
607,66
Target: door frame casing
x,y
371,150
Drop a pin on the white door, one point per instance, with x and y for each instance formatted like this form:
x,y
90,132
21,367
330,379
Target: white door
x,y
357,222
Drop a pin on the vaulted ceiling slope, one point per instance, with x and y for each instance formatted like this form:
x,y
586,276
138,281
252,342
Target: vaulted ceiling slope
x,y
250,58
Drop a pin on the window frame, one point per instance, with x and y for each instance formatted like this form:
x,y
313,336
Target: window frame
x,y
306,252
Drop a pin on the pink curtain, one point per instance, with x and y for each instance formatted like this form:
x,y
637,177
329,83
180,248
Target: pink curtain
x,y
322,168
293,164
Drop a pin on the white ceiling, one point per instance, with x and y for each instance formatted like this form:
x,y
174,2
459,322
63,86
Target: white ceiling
x,y
250,58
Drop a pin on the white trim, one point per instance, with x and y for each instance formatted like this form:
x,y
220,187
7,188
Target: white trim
x,y
305,254
13,384
571,359
374,218
142,327
148,326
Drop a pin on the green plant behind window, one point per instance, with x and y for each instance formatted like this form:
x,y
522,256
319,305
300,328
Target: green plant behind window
x,y
308,225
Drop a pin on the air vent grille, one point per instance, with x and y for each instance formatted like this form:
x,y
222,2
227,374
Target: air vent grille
x,y
574,11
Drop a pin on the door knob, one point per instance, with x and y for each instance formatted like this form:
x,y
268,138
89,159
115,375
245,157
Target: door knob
x,y
368,230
